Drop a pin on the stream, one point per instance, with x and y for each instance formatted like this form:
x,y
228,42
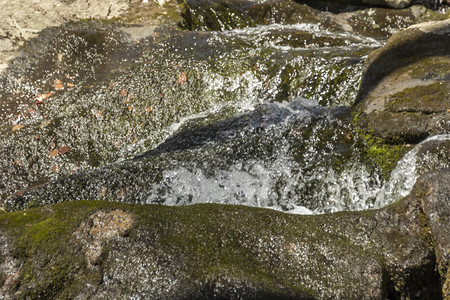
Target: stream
x,y
258,115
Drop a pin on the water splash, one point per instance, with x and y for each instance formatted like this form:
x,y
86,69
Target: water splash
x,y
292,156
416,162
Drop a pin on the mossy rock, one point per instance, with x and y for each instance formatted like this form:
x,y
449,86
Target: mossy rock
x,y
153,13
379,3
405,89
427,99
99,249
378,22
107,95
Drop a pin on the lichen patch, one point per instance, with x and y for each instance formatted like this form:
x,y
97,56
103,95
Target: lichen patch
x,y
99,229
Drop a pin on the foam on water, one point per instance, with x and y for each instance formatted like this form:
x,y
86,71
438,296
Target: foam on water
x,y
280,181
405,174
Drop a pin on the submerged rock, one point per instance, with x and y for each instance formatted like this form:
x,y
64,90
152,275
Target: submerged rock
x,y
280,155
405,90
216,251
87,94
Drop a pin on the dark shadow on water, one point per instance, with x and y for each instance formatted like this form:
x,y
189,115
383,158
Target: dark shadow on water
x,y
334,6
260,120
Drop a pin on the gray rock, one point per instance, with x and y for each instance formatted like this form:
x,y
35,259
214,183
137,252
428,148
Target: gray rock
x,y
393,3
404,93
22,20
233,252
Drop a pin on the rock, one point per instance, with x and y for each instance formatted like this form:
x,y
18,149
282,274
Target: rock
x,y
404,92
379,22
429,155
9,267
434,4
374,22
223,162
99,229
110,92
218,251
23,20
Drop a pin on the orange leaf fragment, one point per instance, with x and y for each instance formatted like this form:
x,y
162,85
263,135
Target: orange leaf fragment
x,y
130,108
54,153
55,169
64,149
123,92
182,79
58,85
148,109
104,192
128,98
70,84
41,97
17,127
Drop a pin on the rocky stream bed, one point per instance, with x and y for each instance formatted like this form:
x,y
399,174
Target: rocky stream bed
x,y
225,149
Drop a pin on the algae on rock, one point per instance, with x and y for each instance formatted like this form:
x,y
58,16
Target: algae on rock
x,y
405,89
205,251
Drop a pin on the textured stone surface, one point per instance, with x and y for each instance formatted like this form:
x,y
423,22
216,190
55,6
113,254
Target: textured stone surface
x,y
22,20
233,252
405,91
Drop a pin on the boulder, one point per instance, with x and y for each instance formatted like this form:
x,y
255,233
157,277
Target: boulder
x,y
347,16
23,20
434,4
405,90
101,250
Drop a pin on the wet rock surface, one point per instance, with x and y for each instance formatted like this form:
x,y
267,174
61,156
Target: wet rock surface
x,y
229,163
207,251
404,93
25,19
229,102
91,93
429,155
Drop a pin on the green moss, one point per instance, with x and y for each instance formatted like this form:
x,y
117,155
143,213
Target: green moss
x,y
209,242
214,16
383,153
430,67
431,15
171,13
424,98
49,260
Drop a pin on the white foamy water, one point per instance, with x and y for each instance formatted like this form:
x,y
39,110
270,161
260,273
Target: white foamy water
x,y
278,181
405,174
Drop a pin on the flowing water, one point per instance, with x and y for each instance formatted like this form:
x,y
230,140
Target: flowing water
x,y
426,156
256,116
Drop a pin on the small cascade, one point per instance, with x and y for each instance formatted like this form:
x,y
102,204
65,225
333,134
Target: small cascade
x,y
120,99
249,106
292,156
415,163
